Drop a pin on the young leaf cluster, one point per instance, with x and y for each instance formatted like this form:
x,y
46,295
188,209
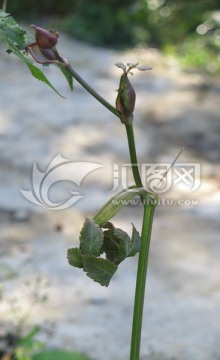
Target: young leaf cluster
x,y
10,30
102,250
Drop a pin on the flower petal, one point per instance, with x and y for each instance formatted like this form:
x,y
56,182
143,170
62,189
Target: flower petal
x,y
42,56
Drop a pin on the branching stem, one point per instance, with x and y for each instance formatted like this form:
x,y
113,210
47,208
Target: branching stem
x,y
92,91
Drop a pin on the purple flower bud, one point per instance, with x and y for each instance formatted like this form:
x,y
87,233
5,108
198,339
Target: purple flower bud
x,y
44,38
42,56
43,49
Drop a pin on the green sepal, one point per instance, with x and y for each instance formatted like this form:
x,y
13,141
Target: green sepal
x,y
98,269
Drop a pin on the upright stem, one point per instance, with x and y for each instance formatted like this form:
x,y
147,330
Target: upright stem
x,y
92,91
146,226
133,156
141,281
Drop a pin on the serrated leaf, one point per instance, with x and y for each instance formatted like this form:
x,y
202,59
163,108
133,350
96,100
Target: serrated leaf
x,y
39,75
128,247
98,269
110,247
68,77
91,238
123,243
117,244
74,257
11,30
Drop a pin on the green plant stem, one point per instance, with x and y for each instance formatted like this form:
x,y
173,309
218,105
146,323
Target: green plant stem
x,y
92,91
146,227
141,281
133,156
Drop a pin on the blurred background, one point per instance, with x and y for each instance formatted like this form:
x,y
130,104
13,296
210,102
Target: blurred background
x,y
188,30
177,107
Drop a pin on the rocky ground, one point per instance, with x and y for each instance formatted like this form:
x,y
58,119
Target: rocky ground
x,y
174,110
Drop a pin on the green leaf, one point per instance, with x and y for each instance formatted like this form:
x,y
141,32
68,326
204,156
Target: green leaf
x,y
91,238
124,243
68,76
98,269
111,247
74,257
117,244
58,355
39,75
128,247
9,29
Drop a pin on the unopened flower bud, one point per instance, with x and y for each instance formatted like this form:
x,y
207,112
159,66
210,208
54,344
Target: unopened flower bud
x,y
125,101
44,38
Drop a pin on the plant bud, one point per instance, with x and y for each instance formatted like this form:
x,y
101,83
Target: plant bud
x,y
44,38
125,101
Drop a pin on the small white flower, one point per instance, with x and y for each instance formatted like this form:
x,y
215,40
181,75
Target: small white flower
x,y
144,67
120,65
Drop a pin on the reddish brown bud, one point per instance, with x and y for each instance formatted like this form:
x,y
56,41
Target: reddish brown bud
x,y
125,101
44,38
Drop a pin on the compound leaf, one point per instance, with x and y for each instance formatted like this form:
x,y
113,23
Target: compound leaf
x,y
91,238
74,257
98,269
9,29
